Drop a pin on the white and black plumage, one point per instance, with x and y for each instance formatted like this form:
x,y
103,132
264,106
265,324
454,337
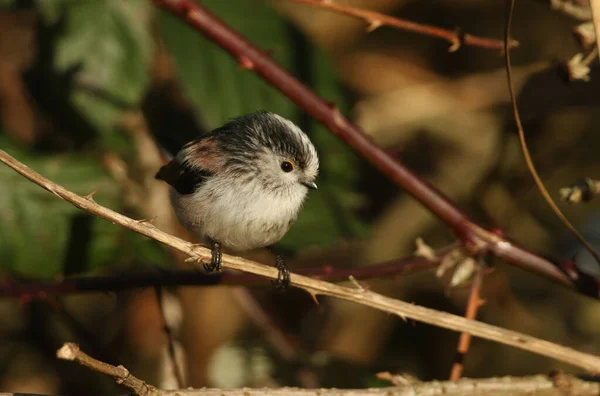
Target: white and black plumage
x,y
241,186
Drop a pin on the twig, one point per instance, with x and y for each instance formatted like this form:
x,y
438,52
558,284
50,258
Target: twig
x,y
170,343
165,277
464,341
474,236
317,287
72,352
374,20
595,6
558,385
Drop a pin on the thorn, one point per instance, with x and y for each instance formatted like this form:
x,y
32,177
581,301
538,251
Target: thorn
x,y
497,231
90,196
338,118
246,63
374,24
150,221
356,284
314,297
455,46
458,41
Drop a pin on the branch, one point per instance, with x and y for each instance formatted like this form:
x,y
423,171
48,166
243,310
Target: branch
x,y
166,277
464,342
317,287
474,236
72,352
539,385
374,20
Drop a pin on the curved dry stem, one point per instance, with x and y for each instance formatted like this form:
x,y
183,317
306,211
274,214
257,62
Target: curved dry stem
x,y
536,177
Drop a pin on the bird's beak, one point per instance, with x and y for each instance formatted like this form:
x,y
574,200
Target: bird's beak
x,y
310,184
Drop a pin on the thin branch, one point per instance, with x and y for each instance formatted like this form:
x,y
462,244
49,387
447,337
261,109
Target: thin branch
x,y
170,343
558,385
72,352
165,278
464,342
374,20
478,239
317,287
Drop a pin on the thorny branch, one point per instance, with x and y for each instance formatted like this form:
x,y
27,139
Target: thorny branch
x,y
374,20
475,237
317,287
556,385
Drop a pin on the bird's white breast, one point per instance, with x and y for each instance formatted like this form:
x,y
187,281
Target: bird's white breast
x,y
240,217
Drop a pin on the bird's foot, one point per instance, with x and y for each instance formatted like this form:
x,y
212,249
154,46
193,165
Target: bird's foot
x,y
216,259
283,277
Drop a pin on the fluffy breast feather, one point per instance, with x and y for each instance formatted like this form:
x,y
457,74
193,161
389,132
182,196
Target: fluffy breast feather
x,y
241,217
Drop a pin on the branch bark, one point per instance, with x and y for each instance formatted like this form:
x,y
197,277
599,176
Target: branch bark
x,y
539,385
375,19
474,236
316,287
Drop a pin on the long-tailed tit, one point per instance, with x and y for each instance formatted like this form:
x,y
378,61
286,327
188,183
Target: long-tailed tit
x,y
241,186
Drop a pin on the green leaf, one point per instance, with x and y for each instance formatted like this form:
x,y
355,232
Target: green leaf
x,y
110,41
221,89
37,237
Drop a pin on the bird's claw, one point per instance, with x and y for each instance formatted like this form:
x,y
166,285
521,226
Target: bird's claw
x,y
216,259
283,276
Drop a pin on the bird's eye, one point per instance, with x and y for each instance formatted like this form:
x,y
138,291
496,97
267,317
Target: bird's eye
x,y
287,166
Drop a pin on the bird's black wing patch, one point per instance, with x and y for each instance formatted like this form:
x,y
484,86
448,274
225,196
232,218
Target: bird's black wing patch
x,y
184,179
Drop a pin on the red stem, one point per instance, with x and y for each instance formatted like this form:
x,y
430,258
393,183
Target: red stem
x,y
375,19
165,278
473,236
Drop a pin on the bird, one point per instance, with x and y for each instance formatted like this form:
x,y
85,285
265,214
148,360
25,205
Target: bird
x,y
241,186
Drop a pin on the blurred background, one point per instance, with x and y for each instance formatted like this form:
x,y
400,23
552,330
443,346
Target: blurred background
x,y
86,86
